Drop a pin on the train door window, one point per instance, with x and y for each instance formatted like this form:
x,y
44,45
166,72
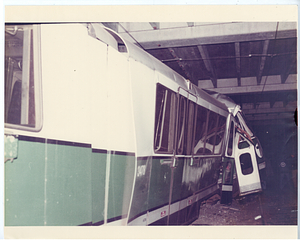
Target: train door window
x,y
211,132
182,109
246,163
230,140
164,120
190,128
21,77
220,134
199,138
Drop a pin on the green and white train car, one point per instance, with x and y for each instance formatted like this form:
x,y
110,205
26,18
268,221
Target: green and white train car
x,y
98,132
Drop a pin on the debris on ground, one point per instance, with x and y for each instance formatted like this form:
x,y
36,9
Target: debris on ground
x,y
212,212
270,207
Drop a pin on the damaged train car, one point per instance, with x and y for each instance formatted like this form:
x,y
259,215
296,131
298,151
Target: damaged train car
x,y
99,132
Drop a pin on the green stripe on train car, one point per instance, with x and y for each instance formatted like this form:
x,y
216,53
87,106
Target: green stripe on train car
x,y
68,188
48,184
120,185
24,186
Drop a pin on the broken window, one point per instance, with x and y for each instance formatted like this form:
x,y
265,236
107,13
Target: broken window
x,y
211,132
220,134
164,120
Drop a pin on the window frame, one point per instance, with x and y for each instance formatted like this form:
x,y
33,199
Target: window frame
x,y
37,77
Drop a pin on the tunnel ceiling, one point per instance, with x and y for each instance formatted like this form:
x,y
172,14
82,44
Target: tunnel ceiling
x,y
254,63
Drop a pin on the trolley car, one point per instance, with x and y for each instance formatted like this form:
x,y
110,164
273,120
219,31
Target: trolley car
x,y
99,132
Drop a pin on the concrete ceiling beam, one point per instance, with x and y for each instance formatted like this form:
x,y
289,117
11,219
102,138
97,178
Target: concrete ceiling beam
x,y
212,34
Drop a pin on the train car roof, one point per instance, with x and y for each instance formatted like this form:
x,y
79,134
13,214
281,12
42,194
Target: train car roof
x,y
145,58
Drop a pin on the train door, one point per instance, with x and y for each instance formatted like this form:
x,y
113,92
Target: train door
x,y
246,164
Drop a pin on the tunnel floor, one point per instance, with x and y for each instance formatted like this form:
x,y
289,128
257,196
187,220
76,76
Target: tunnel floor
x,y
273,206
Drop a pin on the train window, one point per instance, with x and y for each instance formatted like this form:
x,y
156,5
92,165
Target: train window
x,y
220,134
21,75
230,141
190,128
164,120
199,138
181,124
211,133
246,163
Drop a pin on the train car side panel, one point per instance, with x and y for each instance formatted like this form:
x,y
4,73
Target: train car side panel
x,y
66,172
67,81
